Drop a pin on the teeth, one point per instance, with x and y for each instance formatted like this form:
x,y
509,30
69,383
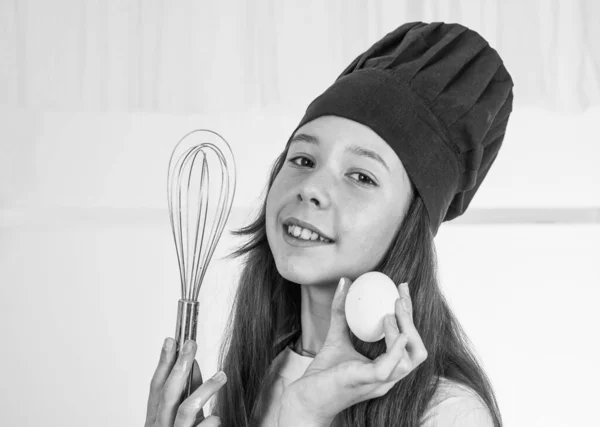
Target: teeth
x,y
305,234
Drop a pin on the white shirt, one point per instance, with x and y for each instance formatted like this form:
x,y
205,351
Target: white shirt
x,y
453,404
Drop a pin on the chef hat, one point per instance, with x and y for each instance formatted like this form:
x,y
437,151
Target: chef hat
x,y
440,96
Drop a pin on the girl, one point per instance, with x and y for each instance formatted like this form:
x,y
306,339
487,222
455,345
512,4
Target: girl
x,y
397,145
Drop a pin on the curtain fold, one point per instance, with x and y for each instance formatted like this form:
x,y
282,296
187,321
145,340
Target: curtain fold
x,y
194,57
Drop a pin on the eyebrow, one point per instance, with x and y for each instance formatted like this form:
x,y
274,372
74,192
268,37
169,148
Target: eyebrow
x,y
355,149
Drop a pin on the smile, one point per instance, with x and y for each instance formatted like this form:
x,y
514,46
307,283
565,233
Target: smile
x,y
297,241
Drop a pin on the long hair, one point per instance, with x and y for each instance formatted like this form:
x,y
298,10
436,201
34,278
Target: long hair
x,y
266,318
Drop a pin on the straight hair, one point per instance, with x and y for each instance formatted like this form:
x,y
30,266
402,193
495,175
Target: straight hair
x,y
265,319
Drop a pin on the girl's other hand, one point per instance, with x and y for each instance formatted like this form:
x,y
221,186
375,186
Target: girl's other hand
x,y
340,377
168,383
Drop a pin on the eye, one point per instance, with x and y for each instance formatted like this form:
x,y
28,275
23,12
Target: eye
x,y
368,181
293,160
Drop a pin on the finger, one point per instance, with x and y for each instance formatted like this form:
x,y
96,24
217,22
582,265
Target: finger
x,y
383,367
403,367
211,421
197,382
167,359
173,388
390,329
189,412
414,347
338,325
404,313
404,291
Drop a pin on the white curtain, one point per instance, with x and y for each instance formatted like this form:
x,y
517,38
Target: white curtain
x,y
199,56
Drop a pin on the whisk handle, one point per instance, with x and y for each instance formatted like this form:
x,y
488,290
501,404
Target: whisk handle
x,y
187,321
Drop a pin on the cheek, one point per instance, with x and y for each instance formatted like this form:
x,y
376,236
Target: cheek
x,y
274,203
271,209
371,233
279,194
274,196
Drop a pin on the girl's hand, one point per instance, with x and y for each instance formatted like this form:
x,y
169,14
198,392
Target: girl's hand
x,y
340,377
167,386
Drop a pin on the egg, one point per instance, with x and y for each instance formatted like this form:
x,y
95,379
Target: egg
x,y
371,297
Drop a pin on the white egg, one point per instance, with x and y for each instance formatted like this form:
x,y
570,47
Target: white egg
x,y
371,297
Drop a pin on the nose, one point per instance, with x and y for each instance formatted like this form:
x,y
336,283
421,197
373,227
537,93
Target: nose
x,y
314,190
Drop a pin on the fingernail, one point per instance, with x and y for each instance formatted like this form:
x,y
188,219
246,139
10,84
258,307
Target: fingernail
x,y
405,304
220,376
405,288
341,283
187,347
168,344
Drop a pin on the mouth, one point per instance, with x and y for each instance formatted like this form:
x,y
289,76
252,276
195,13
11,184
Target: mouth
x,y
299,242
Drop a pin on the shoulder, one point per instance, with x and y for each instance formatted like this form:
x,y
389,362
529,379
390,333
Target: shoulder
x,y
454,404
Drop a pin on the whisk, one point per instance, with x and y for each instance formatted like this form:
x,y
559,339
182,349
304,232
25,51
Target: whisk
x,y
195,158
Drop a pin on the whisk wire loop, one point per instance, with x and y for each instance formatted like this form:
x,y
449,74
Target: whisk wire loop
x,y
178,223
194,247
219,224
199,262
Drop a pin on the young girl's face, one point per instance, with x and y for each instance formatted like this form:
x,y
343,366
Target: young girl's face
x,y
354,200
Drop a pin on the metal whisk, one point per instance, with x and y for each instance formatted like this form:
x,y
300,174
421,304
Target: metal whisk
x,y
198,157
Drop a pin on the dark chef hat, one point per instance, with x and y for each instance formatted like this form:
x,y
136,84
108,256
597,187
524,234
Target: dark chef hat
x,y
440,96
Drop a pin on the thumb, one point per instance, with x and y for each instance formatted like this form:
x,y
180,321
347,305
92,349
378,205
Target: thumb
x,y
338,326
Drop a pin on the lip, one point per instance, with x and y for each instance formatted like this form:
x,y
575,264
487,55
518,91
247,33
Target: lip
x,y
300,243
304,224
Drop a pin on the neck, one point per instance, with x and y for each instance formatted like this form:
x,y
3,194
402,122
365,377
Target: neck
x,y
315,312
298,349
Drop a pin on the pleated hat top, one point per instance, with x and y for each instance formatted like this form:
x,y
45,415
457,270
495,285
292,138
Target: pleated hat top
x,y
440,96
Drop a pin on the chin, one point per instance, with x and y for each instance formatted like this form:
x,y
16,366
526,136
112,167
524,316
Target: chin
x,y
292,275
288,272
302,278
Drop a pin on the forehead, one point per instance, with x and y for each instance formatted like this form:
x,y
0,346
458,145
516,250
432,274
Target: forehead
x,y
341,132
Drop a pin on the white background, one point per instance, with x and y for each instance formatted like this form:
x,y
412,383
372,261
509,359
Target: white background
x,y
94,97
